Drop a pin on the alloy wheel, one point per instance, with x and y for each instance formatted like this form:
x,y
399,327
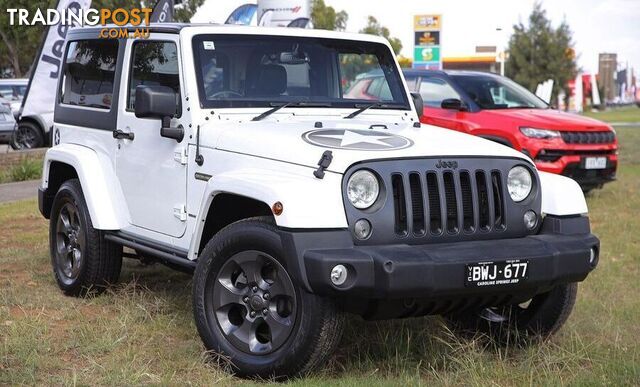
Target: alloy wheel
x,y
24,137
70,242
254,302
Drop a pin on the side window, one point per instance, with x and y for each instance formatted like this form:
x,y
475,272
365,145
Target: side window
x,y
89,73
155,64
435,90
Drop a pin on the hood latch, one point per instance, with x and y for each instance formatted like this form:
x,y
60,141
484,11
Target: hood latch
x,y
323,164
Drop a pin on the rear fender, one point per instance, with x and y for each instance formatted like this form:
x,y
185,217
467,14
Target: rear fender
x,y
100,186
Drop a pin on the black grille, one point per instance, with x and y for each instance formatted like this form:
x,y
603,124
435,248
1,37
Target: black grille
x,y
588,137
429,200
450,202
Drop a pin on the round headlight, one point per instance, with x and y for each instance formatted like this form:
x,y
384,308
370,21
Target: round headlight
x,y
363,189
519,183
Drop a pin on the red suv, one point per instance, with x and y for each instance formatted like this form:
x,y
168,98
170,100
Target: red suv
x,y
496,108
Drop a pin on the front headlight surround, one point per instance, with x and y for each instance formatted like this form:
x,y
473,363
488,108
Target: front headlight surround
x,y
363,189
519,183
542,134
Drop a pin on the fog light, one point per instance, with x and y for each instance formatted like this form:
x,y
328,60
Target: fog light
x,y
530,219
338,275
362,229
592,255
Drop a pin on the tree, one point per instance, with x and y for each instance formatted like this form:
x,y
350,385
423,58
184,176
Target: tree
x,y
326,18
373,27
538,52
405,62
19,44
187,10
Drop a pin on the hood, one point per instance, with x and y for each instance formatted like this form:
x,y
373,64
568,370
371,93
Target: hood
x,y
549,119
303,142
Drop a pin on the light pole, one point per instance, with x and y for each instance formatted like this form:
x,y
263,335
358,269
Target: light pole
x,y
500,52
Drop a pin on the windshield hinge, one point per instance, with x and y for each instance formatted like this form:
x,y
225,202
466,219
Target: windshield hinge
x,y
180,212
181,156
323,164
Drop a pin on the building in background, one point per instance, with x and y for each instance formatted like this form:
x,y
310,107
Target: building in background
x,y
484,58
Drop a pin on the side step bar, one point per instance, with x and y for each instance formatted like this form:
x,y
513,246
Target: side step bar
x,y
168,255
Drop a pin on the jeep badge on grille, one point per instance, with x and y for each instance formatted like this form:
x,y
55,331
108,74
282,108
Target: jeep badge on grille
x,y
447,164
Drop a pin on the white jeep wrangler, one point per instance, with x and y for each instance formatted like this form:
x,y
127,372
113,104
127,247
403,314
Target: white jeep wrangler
x,y
243,155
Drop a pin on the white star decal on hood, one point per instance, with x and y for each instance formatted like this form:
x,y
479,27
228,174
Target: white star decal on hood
x,y
350,137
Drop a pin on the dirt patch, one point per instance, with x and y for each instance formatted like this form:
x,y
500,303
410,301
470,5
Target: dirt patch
x,y
13,275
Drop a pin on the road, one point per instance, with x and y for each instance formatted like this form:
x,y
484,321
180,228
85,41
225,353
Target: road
x,y
17,191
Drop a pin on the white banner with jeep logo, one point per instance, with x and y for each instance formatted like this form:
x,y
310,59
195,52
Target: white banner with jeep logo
x,y
40,96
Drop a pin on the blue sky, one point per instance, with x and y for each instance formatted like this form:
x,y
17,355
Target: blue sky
x,y
598,25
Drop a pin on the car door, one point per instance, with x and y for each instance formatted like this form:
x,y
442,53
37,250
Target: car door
x,y
152,169
434,90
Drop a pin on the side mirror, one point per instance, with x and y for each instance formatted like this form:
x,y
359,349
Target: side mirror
x,y
159,102
453,104
418,103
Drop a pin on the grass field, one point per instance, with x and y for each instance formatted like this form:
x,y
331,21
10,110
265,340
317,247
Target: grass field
x,y
142,332
624,114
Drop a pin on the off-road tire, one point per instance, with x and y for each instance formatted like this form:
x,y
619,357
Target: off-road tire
x,y
542,318
30,136
100,261
318,323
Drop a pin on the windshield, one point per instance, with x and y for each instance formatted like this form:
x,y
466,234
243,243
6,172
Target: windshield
x,y
252,70
492,92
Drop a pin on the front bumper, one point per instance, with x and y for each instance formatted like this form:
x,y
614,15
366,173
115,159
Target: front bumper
x,y
571,163
559,254
573,167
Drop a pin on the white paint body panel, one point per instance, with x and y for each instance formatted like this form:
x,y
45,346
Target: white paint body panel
x,y
561,195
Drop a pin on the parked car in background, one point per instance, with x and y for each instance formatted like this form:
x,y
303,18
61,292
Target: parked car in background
x,y
7,123
33,129
496,108
13,90
499,109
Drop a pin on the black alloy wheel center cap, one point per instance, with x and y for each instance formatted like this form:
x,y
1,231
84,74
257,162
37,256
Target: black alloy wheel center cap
x,y
256,303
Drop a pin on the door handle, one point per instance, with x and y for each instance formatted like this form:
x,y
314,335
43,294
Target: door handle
x,y
119,134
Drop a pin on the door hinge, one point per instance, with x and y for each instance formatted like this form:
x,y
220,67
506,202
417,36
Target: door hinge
x,y
180,212
180,156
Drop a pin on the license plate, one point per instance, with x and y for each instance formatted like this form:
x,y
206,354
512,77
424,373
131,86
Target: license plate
x,y
497,273
595,163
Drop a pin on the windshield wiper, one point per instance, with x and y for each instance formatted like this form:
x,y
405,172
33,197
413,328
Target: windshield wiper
x,y
367,106
277,106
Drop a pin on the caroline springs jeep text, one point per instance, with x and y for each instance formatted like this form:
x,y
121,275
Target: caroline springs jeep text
x,y
234,153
